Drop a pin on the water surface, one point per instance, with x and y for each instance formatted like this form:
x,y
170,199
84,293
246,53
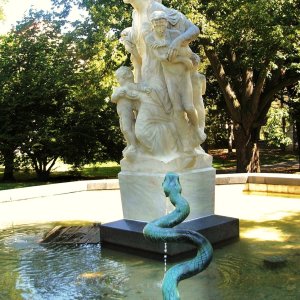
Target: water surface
x,y
268,226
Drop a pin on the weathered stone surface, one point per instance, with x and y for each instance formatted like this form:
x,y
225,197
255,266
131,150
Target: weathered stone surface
x,y
143,198
274,262
73,235
160,102
126,235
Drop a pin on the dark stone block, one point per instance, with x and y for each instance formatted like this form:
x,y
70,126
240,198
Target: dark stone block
x,y
127,235
274,262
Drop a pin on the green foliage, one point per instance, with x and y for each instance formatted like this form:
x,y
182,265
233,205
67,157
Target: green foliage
x,y
55,96
35,62
217,117
253,48
88,172
294,102
274,131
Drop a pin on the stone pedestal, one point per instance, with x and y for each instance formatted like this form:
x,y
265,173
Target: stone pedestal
x,y
143,198
127,235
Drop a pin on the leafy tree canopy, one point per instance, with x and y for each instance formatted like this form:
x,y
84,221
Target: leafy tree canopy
x,y
253,48
54,100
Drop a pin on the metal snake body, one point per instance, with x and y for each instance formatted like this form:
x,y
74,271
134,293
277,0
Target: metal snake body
x,y
160,230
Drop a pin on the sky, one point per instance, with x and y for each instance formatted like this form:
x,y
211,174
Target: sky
x,y
14,11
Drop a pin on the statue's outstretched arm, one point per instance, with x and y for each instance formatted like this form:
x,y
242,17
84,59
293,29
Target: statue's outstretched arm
x,y
190,34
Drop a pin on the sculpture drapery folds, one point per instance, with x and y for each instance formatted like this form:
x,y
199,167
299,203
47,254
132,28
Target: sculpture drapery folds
x,y
160,102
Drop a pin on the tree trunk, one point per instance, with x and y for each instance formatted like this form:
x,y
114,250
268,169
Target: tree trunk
x,y
298,139
43,167
247,152
9,157
42,175
230,137
254,165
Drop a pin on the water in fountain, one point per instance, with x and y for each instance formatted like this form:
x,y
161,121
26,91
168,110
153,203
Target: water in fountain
x,y
269,226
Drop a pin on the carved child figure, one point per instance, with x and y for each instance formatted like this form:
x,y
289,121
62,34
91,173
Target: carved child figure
x,y
146,127
126,108
126,40
161,38
199,89
177,73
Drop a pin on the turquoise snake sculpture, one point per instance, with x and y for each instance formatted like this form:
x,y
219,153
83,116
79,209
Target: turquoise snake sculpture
x,y
160,230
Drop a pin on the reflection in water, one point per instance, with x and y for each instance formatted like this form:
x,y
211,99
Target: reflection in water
x,y
30,271
56,272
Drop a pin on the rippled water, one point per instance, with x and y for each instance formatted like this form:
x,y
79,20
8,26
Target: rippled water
x,y
32,271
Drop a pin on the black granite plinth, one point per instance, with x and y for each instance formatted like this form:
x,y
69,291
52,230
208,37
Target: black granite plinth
x,y
126,235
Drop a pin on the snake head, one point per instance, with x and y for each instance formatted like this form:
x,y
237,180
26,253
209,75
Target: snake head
x,y
171,184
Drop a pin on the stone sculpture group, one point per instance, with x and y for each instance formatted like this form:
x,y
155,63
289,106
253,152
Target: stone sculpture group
x,y
159,102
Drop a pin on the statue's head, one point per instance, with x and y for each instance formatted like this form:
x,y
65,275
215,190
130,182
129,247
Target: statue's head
x,y
159,21
126,36
124,75
171,183
133,2
158,15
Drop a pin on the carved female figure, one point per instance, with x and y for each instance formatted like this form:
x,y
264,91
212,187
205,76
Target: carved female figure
x,y
177,73
169,121
152,132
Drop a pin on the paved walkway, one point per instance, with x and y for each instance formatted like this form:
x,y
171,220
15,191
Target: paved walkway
x,y
99,201
93,201
94,206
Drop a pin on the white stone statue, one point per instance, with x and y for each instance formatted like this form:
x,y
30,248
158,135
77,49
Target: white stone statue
x,y
162,115
126,108
177,74
152,130
160,103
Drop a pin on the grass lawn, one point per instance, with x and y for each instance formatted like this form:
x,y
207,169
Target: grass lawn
x,y
89,172
272,161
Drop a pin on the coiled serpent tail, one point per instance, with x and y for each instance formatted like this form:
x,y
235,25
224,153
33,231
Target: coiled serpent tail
x,y
159,231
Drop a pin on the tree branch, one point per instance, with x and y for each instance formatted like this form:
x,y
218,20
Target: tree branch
x,y
247,85
272,91
52,164
258,88
233,71
229,95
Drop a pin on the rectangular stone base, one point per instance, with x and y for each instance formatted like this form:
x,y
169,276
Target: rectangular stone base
x,y
143,198
127,235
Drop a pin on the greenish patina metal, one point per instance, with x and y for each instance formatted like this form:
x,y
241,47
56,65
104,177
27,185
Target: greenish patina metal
x,y
161,230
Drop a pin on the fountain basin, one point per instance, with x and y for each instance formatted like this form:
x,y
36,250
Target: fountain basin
x,y
102,204
269,226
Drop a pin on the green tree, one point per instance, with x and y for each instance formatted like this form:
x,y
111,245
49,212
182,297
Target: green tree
x,y
218,120
253,48
34,65
294,107
97,40
51,105
275,129
9,134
